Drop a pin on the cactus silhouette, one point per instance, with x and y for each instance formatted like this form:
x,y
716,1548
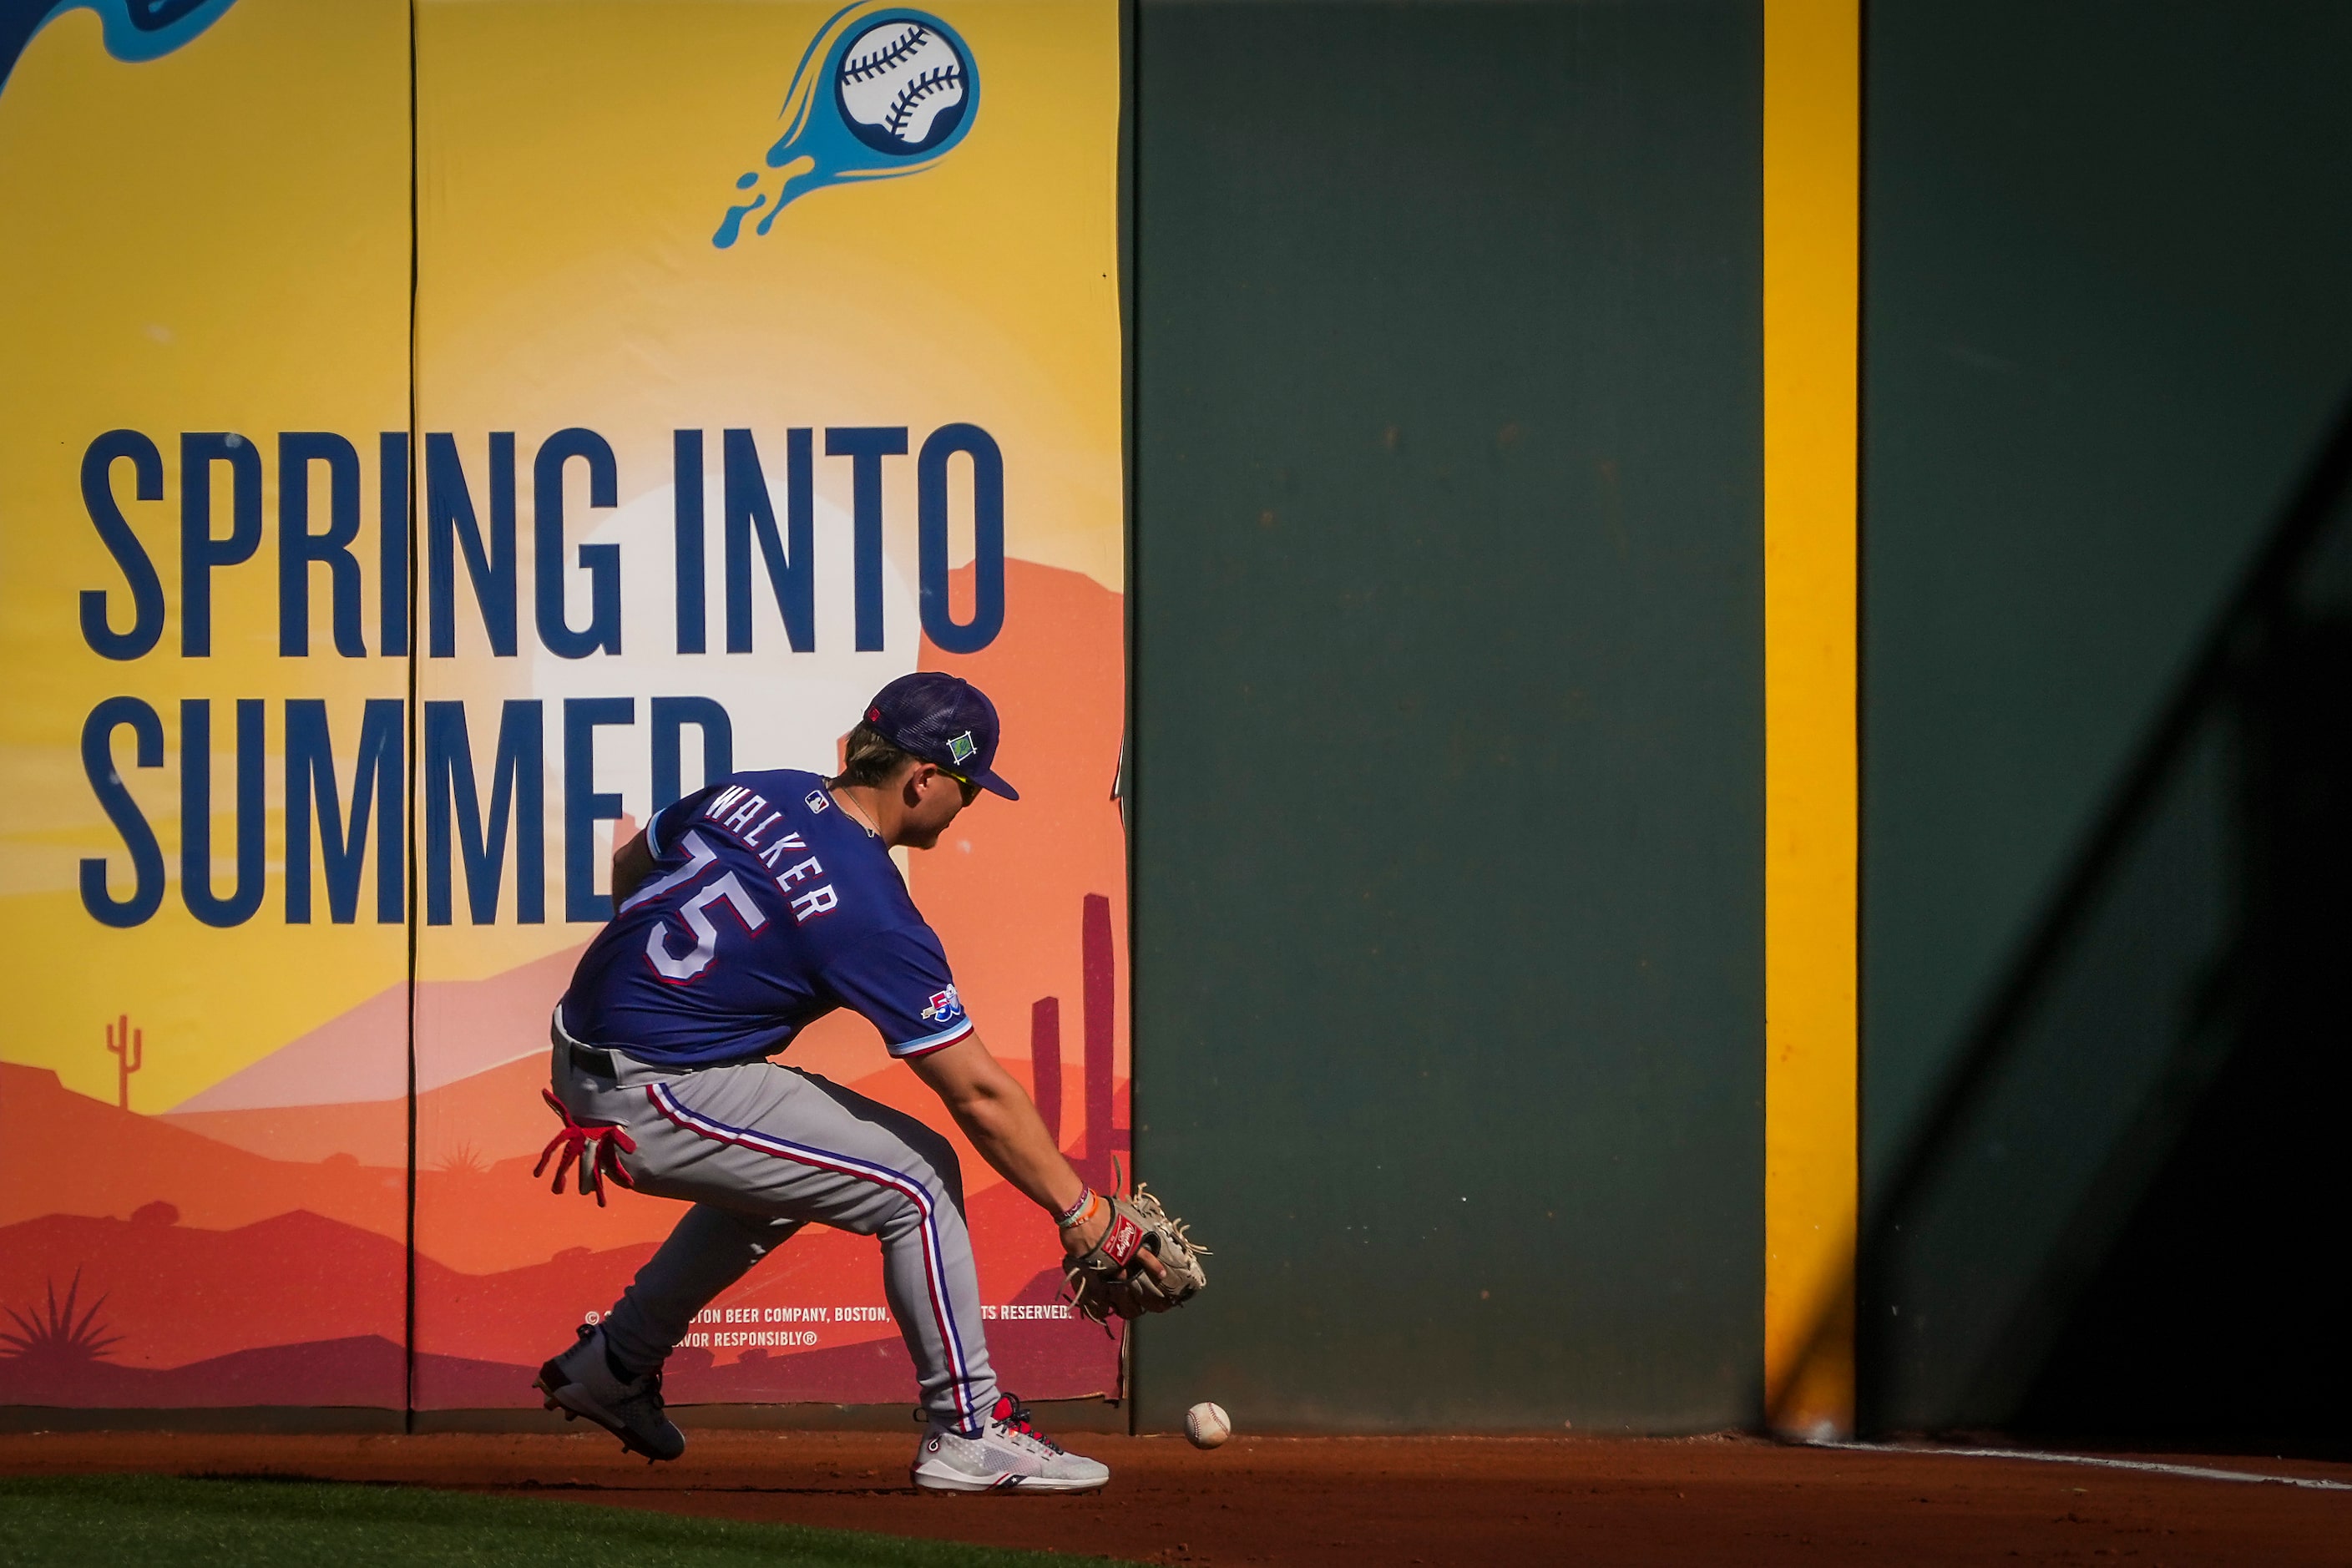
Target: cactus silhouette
x,y
129,1047
59,1335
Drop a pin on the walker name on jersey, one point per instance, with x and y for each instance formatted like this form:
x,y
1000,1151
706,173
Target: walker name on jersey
x,y
747,819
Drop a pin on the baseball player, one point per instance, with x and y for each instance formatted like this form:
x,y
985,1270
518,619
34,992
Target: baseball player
x,y
743,913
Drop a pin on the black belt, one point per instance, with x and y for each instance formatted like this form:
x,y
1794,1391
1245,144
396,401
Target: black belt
x,y
589,1059
597,1060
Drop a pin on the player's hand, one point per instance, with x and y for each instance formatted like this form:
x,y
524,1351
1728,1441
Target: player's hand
x,y
1127,1255
1081,1234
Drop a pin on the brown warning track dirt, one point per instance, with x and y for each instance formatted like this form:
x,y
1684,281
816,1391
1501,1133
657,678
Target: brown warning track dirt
x,y
1361,1502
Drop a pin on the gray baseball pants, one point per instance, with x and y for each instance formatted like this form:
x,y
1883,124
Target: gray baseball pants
x,y
760,1149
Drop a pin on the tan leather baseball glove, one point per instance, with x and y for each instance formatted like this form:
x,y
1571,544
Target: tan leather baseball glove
x,y
1110,1280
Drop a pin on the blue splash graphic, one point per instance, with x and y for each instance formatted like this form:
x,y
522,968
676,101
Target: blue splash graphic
x,y
135,29
895,91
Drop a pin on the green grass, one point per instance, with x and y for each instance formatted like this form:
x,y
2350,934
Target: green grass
x,y
110,1520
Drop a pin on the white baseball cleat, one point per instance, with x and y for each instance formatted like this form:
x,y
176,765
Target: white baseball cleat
x,y
580,1382
1009,1454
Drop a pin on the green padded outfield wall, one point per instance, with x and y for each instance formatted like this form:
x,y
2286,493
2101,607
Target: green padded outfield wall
x,y
2108,331
1448,748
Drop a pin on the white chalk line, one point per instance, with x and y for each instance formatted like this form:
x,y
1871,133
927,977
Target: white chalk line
x,y
2199,1472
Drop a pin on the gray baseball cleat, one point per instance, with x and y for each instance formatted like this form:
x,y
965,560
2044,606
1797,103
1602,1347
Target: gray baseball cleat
x,y
1009,1454
580,1382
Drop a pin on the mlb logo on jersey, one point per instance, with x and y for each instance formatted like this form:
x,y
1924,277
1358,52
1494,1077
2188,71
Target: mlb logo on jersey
x,y
945,1004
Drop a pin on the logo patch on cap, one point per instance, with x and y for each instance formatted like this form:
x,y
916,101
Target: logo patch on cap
x,y
961,748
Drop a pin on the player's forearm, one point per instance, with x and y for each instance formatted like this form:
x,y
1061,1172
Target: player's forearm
x,y
1007,1131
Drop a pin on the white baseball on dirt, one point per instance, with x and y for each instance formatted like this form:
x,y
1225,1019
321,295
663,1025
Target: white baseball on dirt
x,y
1207,1424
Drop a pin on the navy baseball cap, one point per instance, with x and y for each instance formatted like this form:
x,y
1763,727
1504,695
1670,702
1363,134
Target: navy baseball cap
x,y
943,719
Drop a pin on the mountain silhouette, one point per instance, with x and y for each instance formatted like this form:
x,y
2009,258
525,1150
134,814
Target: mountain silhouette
x,y
66,1154
362,1371
464,1028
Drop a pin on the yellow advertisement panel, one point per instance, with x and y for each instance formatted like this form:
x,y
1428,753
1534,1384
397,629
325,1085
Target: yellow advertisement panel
x,y
759,355
765,354
205,251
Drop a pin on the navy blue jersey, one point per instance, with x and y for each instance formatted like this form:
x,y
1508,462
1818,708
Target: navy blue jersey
x,y
768,907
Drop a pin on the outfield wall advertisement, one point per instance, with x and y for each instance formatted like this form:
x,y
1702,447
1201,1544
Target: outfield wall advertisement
x,y
410,477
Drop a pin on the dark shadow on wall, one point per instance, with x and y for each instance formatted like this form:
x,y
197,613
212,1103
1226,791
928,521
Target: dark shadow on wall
x,y
2120,1220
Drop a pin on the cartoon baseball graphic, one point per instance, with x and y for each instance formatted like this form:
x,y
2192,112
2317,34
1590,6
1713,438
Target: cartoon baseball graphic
x,y
897,92
901,87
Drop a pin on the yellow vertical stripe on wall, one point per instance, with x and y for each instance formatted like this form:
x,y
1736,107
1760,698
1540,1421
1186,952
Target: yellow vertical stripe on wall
x,y
1812,192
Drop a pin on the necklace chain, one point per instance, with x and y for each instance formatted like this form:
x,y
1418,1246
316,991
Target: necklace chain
x,y
851,806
